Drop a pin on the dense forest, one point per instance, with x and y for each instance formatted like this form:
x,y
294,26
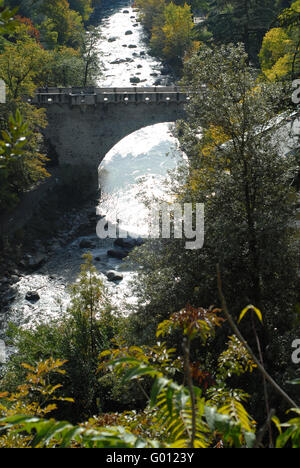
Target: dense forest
x,y
203,360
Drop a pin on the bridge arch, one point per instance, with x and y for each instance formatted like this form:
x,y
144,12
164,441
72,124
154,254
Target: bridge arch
x,y
85,124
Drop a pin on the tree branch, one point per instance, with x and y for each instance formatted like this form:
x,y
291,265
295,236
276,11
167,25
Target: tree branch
x,y
244,342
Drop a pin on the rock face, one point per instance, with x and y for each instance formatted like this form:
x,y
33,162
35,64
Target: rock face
x,y
117,253
134,79
9,297
86,244
127,243
32,296
33,262
114,276
165,70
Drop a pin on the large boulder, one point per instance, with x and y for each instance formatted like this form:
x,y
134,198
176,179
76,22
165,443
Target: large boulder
x,y
165,70
135,79
33,262
87,244
117,253
127,243
114,276
32,296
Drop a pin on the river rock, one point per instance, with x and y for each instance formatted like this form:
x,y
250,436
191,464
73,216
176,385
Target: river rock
x,y
128,33
14,279
132,46
135,79
33,261
125,11
114,276
117,253
142,53
9,297
165,70
112,39
128,243
140,66
87,244
32,296
118,61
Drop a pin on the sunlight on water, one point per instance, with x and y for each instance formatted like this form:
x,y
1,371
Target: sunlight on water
x,y
126,56
137,166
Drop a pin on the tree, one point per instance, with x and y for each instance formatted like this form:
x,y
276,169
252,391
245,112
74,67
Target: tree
x,y
22,158
151,12
177,30
61,20
279,55
241,21
90,55
84,7
21,64
234,158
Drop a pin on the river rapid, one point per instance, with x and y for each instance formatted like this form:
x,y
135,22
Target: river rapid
x,y
139,163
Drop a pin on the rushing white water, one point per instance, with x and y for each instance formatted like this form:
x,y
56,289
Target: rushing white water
x,y
148,153
124,54
134,168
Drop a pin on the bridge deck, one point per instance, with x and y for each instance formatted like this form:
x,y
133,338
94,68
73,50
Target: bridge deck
x,y
93,96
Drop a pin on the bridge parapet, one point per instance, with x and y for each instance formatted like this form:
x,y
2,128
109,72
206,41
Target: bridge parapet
x,y
94,96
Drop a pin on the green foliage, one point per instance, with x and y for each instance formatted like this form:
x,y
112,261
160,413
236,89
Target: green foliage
x,y
20,163
37,387
84,331
21,64
234,21
291,434
173,419
64,435
235,360
7,21
170,27
279,55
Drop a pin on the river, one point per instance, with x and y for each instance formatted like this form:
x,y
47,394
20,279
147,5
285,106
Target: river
x,y
138,163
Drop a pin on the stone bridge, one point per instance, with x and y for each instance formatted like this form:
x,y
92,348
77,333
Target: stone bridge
x,y
85,123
